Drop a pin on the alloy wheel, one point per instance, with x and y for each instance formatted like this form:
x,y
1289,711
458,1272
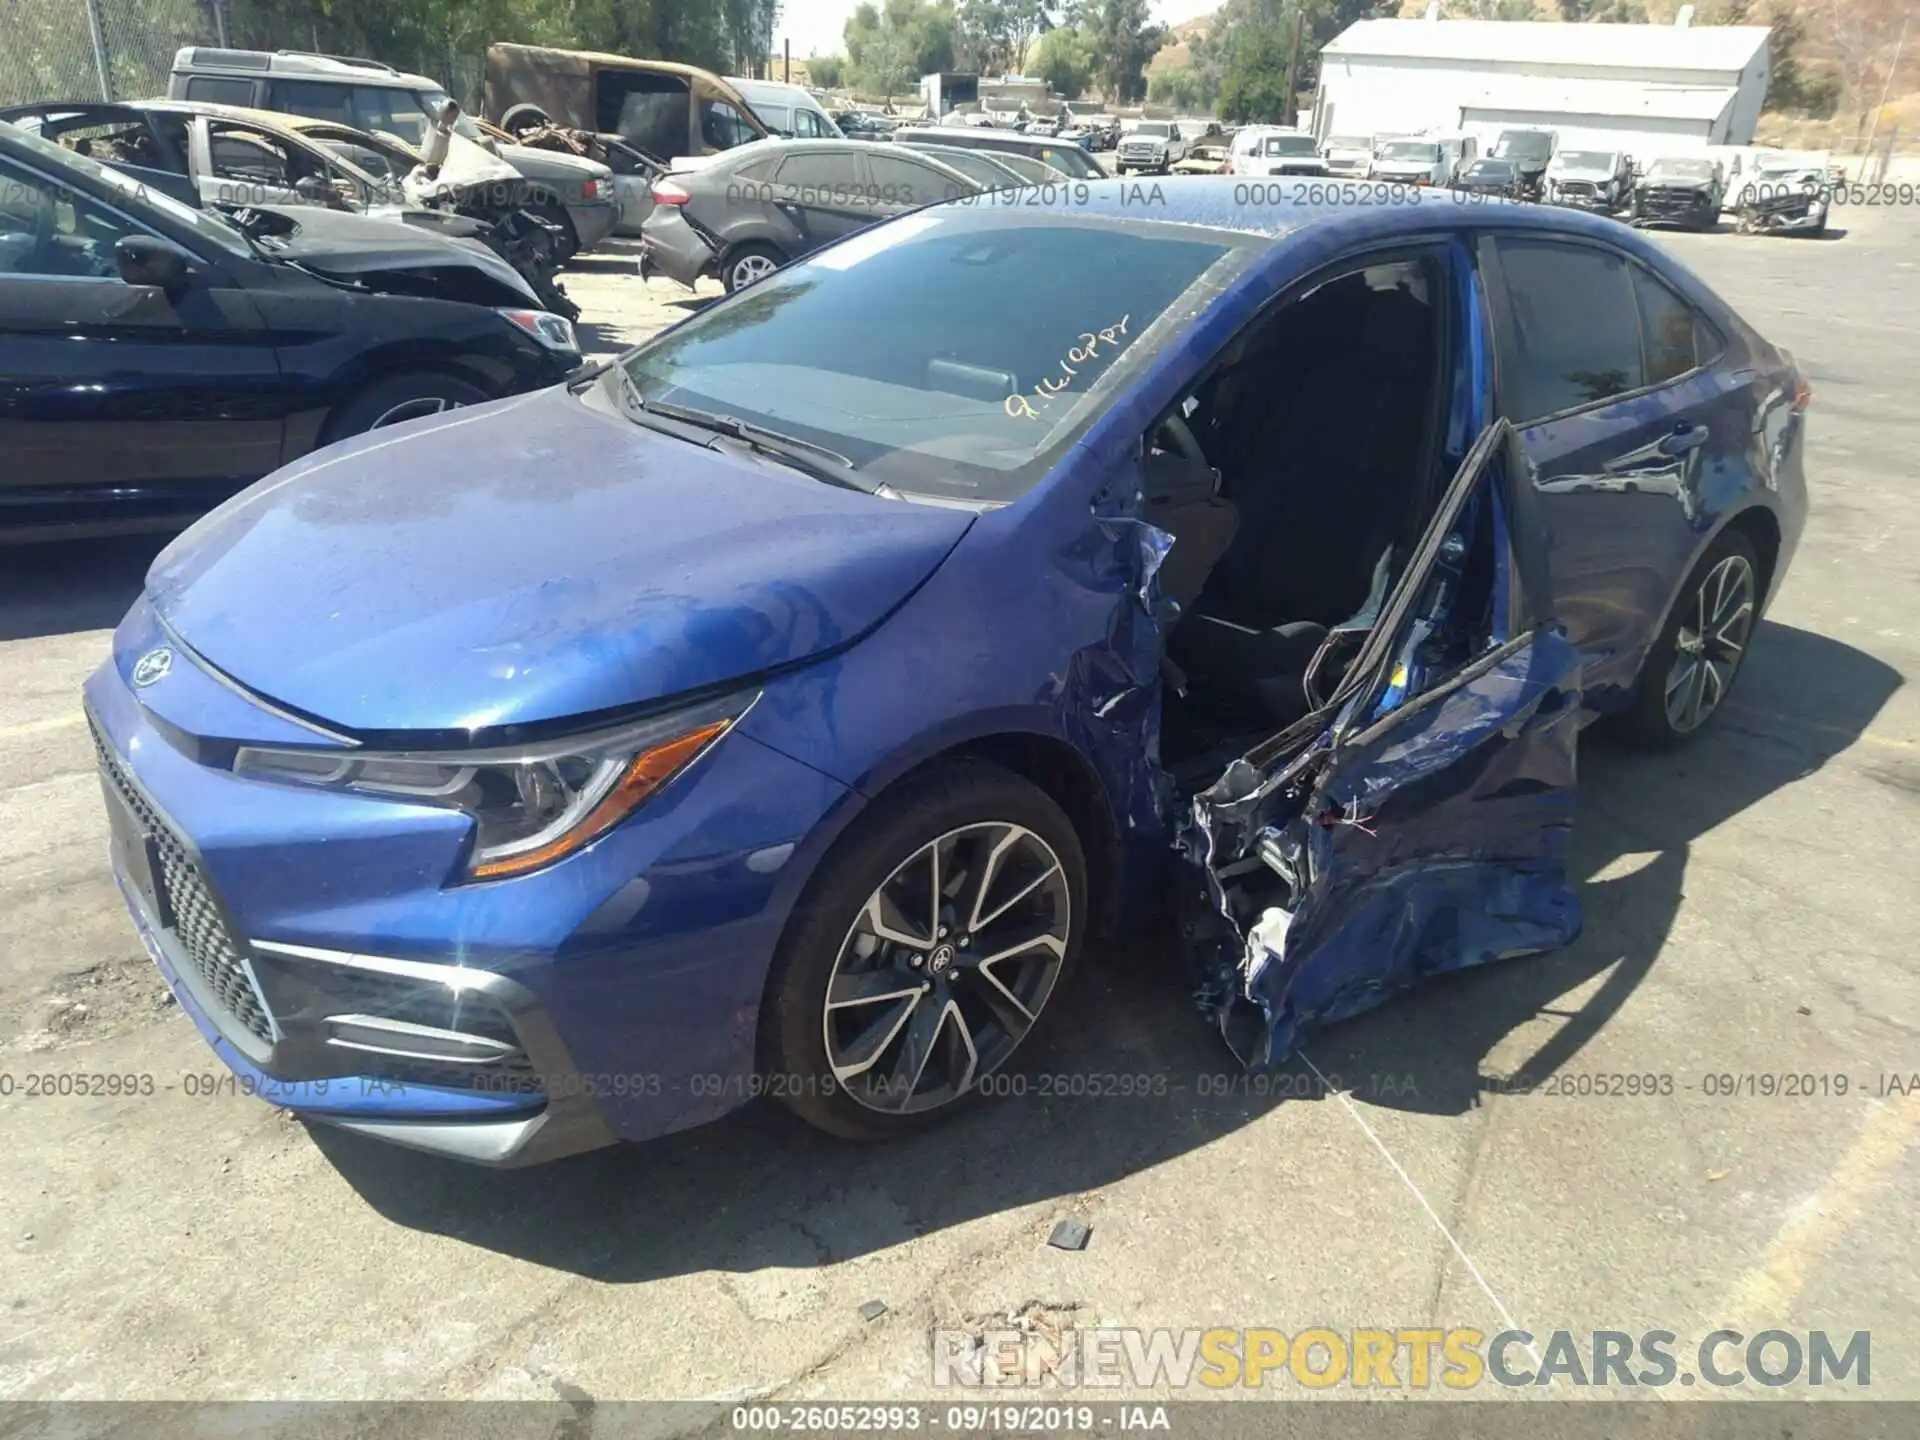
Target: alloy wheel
x,y
749,268
1710,644
946,967
414,410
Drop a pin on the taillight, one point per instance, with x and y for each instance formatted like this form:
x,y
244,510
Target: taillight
x,y
1802,392
665,192
589,189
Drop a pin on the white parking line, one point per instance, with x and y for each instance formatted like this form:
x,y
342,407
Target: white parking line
x,y
1499,1305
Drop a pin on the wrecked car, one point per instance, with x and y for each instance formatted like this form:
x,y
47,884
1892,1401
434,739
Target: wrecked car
x,y
156,357
1789,201
1681,192
228,157
792,704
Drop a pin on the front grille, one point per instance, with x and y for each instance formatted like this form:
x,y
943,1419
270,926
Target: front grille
x,y
1675,203
211,949
1577,189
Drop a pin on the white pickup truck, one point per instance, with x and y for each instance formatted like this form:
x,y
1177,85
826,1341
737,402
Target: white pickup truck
x,y
1154,146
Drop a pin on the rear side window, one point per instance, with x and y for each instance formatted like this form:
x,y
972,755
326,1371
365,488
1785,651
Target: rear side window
x,y
215,91
645,109
820,171
1666,329
313,97
1575,328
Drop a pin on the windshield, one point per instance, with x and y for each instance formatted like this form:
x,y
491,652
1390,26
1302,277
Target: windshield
x,y
1291,145
1411,150
1155,130
1584,160
209,228
1038,321
1490,167
1524,146
1681,169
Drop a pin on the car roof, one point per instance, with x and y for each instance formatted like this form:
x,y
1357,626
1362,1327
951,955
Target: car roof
x,y
1209,201
311,65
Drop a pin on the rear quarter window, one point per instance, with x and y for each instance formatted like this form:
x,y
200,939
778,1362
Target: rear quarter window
x,y
215,90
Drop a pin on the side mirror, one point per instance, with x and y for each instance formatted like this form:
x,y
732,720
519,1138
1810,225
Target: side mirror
x,y
448,112
144,260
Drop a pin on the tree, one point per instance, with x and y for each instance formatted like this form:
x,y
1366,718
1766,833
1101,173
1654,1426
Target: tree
x,y
1254,89
1604,12
1064,59
829,72
1123,41
1214,53
993,36
887,50
1181,88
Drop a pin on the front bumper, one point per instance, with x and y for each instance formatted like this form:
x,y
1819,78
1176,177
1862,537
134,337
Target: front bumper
x,y
1686,209
321,944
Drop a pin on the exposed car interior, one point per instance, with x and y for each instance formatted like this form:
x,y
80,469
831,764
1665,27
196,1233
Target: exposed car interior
x,y
1295,480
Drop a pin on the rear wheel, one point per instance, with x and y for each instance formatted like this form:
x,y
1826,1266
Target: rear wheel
x,y
748,264
410,396
1692,666
930,947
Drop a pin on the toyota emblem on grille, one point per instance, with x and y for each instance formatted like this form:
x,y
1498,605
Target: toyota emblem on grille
x,y
152,667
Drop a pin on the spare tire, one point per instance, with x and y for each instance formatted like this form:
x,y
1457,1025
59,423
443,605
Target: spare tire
x,y
524,117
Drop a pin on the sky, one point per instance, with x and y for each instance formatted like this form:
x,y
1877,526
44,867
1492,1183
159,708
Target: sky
x,y
815,26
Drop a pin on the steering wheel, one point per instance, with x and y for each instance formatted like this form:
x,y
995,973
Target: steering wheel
x,y
1179,439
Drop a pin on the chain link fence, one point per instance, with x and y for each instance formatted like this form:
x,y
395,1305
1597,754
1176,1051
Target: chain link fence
x,y
123,49
97,49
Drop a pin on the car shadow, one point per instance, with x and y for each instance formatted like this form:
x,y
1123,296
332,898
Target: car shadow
x,y
757,1189
65,586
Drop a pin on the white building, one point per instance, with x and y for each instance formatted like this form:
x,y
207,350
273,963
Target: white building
x,y
1646,89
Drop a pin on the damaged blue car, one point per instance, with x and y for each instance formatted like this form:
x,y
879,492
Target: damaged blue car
x,y
789,706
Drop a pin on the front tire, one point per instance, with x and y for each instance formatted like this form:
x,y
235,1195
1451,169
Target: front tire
x,y
1693,665
412,395
931,946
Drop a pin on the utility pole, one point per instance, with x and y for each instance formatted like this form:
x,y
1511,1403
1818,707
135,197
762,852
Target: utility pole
x,y
99,37
1291,113
787,61
1886,89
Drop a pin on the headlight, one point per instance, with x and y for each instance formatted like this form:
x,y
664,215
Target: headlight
x,y
553,331
531,805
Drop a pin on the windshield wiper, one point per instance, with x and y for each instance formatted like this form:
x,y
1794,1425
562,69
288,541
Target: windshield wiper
x,y
829,466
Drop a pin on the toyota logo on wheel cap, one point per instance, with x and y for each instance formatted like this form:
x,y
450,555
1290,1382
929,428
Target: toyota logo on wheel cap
x,y
152,667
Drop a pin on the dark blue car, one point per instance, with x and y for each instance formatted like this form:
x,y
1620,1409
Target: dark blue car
x,y
791,706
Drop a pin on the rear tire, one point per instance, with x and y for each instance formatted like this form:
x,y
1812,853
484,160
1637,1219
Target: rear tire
x,y
411,395
1013,880
748,264
1693,665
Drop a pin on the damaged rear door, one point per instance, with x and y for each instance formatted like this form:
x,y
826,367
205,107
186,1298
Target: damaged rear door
x,y
1418,822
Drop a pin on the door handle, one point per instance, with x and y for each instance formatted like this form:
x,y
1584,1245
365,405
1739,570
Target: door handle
x,y
1684,439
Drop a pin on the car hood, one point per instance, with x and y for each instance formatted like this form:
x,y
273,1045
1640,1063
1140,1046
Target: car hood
x,y
538,164
408,254
1673,182
1595,173
531,560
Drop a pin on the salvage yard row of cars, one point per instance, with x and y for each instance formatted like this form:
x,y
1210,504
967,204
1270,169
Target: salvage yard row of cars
x,y
803,692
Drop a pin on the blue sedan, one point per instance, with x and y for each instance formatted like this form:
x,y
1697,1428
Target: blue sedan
x,y
791,706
